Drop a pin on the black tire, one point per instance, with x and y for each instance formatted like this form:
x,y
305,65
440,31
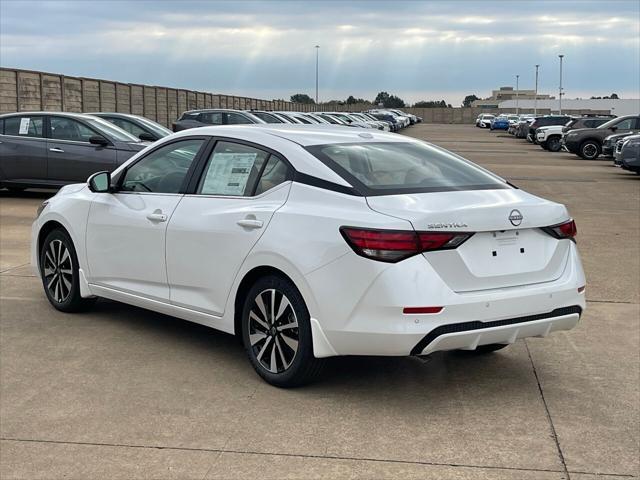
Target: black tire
x,y
59,273
590,149
270,339
553,144
484,349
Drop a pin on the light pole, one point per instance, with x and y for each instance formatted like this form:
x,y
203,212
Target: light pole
x,y
317,55
517,94
560,88
535,99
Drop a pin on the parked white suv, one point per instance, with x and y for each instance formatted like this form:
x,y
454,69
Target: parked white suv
x,y
549,137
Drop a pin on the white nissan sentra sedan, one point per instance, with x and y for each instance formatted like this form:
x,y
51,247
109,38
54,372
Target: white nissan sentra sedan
x,y
315,241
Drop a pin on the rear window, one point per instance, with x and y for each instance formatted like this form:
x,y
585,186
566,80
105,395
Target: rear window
x,y
387,168
24,126
267,117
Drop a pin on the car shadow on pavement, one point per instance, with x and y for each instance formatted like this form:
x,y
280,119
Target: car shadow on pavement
x,y
43,194
496,374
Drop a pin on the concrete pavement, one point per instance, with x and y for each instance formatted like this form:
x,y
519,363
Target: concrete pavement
x,y
120,392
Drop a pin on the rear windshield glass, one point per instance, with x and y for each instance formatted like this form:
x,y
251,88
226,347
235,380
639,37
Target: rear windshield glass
x,y
386,168
111,130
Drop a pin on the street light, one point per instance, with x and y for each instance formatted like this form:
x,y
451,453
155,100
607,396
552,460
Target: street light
x,y
317,54
517,94
560,88
535,100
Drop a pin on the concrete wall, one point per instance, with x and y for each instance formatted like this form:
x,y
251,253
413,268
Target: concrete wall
x,y
25,90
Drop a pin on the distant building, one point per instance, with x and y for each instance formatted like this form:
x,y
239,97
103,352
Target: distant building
x,y
508,93
617,107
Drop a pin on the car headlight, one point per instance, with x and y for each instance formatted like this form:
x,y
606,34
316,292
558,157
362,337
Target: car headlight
x,y
631,143
41,207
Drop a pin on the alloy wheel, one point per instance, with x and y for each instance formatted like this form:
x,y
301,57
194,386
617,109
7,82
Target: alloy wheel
x,y
273,331
589,150
58,270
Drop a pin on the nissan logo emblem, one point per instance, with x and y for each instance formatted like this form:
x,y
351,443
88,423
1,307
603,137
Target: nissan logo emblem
x,y
515,217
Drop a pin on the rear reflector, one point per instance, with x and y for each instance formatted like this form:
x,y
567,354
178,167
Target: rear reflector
x,y
563,230
581,289
396,245
421,310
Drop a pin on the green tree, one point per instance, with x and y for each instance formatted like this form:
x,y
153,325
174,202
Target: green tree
x,y
352,100
389,101
469,99
432,104
302,98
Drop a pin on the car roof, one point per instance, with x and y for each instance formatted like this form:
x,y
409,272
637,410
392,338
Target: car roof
x,y
204,110
304,135
64,114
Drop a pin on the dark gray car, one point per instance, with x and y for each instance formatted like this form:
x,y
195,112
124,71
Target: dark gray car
x,y
139,127
627,153
51,149
220,116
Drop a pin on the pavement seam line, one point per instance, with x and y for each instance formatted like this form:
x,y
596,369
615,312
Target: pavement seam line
x,y
14,267
300,455
548,413
248,452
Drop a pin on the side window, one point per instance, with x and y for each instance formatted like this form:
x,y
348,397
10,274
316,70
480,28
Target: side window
x,y
236,119
1,125
275,173
232,170
211,118
627,124
24,126
127,126
69,129
163,170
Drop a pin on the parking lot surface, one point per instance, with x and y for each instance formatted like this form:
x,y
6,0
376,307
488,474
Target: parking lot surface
x,y
120,392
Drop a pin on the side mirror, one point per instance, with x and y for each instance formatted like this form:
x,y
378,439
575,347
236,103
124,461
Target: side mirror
x,y
100,182
614,128
98,140
146,137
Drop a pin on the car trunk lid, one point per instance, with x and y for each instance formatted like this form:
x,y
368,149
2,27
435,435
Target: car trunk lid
x,y
508,247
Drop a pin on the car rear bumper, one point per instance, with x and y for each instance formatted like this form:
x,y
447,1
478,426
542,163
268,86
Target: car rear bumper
x,y
470,335
371,321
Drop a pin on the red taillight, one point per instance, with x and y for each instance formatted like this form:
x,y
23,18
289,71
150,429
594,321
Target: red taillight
x,y
563,230
396,245
421,310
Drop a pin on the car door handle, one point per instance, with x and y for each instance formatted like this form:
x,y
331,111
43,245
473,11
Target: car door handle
x,y
157,217
250,223
57,150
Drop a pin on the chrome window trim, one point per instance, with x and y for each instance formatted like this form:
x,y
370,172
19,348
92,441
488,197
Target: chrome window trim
x,y
239,197
24,137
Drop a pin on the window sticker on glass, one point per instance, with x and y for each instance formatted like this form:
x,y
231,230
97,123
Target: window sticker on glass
x,y
24,126
228,173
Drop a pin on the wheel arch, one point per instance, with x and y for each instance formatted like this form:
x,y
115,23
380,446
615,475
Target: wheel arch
x,y
244,286
591,139
48,227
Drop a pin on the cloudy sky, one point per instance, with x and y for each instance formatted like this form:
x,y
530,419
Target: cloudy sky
x,y
415,49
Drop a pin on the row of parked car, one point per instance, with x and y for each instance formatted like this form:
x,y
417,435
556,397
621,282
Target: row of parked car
x,y
52,149
381,119
588,136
